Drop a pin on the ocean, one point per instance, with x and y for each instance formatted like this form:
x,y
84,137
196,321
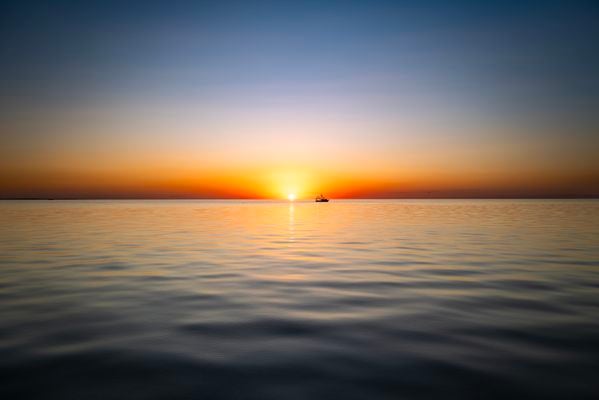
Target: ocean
x,y
352,299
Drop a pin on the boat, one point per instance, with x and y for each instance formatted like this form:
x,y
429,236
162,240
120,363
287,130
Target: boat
x,y
321,199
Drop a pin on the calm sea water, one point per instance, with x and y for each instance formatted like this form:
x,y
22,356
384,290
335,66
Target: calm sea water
x,y
267,300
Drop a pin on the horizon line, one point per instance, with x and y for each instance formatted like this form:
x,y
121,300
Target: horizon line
x,y
565,197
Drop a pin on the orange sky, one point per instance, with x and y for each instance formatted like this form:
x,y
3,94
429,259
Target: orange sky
x,y
87,154
108,177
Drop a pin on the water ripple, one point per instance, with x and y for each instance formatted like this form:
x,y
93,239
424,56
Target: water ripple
x,y
267,300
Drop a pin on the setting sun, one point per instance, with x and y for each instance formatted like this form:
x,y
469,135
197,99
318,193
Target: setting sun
x,y
291,196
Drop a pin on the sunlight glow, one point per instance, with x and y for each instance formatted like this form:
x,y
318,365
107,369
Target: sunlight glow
x,y
291,196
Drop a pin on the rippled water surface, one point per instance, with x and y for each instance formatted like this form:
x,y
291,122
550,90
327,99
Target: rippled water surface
x,y
267,300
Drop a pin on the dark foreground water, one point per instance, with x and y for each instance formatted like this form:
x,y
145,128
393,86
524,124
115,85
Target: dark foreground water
x,y
264,300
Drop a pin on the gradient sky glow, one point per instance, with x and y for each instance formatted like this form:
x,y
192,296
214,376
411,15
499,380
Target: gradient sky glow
x,y
258,99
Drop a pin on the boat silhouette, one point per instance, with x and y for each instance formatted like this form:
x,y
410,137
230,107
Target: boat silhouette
x,y
321,199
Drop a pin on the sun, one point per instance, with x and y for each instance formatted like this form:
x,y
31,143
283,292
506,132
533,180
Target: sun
x,y
291,196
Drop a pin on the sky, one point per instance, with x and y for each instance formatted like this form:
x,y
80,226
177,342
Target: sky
x,y
261,99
